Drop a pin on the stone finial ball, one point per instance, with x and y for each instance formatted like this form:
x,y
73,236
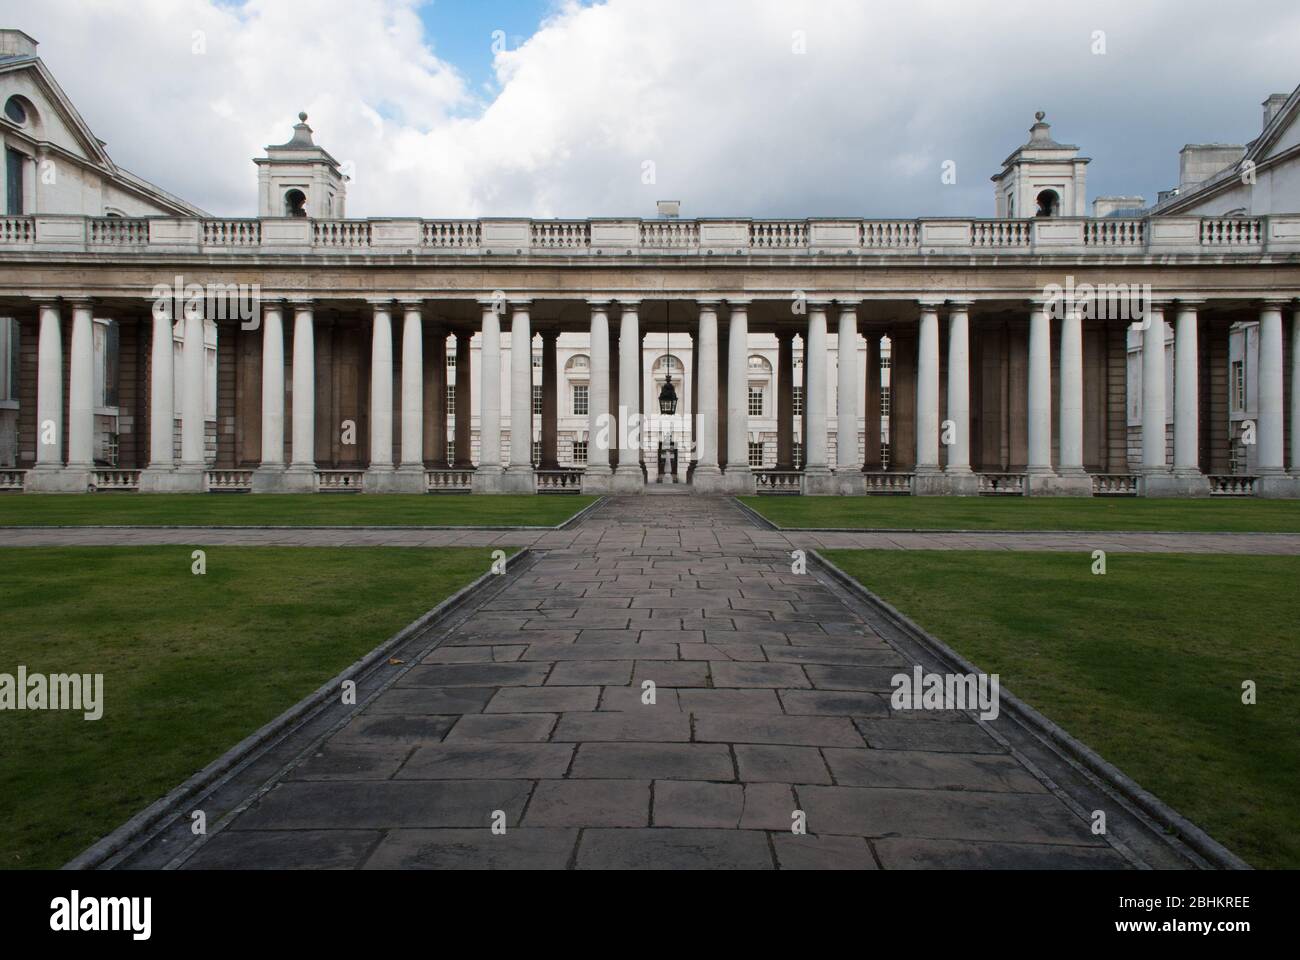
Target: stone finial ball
x,y
303,117
1040,116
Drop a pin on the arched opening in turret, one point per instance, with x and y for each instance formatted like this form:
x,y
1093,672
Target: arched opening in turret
x,y
295,204
1049,204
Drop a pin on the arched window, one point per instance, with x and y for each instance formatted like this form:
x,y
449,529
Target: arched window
x,y
295,204
1049,204
577,370
760,380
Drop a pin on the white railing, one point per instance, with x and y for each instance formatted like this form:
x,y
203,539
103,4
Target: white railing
x,y
448,481
222,481
1114,233
118,232
1232,485
1002,484
451,234
17,230
1115,484
1000,233
232,233
12,479
1230,231
342,234
778,481
887,483
670,234
114,480
889,234
558,481
339,481
778,234
561,234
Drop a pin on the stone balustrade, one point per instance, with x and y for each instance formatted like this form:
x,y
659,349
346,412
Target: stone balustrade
x,y
1232,485
109,479
228,481
449,481
340,481
888,483
558,481
12,479
778,481
1115,485
1002,484
607,237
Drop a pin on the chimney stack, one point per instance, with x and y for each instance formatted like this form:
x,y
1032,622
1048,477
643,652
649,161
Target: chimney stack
x,y
1272,105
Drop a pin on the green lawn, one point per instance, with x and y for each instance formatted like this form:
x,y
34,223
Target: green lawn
x,y
191,664
294,510
1144,664
1030,513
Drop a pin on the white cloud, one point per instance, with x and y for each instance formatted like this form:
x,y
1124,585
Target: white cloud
x,y
734,121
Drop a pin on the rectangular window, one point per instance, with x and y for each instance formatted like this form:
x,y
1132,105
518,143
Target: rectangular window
x,y
579,451
451,359
1238,385
14,181
755,402
537,361
798,455
885,401
580,396
755,454
8,358
451,451
884,455
451,399
537,398
796,394
537,452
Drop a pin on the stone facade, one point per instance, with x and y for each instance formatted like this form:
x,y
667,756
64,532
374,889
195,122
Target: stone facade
x,y
300,351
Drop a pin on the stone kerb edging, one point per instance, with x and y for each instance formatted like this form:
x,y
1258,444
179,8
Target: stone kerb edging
x,y
140,829
1051,734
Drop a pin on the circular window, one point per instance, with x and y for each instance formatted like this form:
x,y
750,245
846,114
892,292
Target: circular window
x,y
15,111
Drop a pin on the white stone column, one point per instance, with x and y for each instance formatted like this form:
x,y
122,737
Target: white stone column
x,y
411,471
1295,393
816,468
707,471
847,460
1040,392
927,393
269,475
1154,459
49,389
959,387
81,390
487,478
1187,441
602,429
379,476
160,473
301,475
1071,402
519,474
1269,434
193,408
628,476
739,475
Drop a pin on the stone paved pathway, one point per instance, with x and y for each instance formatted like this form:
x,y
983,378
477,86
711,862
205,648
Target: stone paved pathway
x,y
771,697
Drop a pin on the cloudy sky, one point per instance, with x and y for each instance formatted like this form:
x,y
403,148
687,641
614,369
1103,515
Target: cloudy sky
x,y
735,107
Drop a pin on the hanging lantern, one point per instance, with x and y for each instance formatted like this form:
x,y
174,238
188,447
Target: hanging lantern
x,y
668,397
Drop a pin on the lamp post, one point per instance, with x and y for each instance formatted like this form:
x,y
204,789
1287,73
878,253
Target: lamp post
x,y
667,398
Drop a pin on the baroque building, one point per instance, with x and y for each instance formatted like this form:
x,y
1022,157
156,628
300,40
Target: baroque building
x,y
146,345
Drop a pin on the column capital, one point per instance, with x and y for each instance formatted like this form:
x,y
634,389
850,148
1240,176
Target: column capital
x,y
411,303
80,303
708,304
962,305
742,302
378,302
599,303
1195,302
524,304
1275,303
628,303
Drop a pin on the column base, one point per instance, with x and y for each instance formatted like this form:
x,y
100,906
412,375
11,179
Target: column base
x,y
597,480
60,479
183,479
269,479
628,478
487,479
300,479
962,482
930,481
410,479
518,479
738,481
819,482
1048,483
1277,486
